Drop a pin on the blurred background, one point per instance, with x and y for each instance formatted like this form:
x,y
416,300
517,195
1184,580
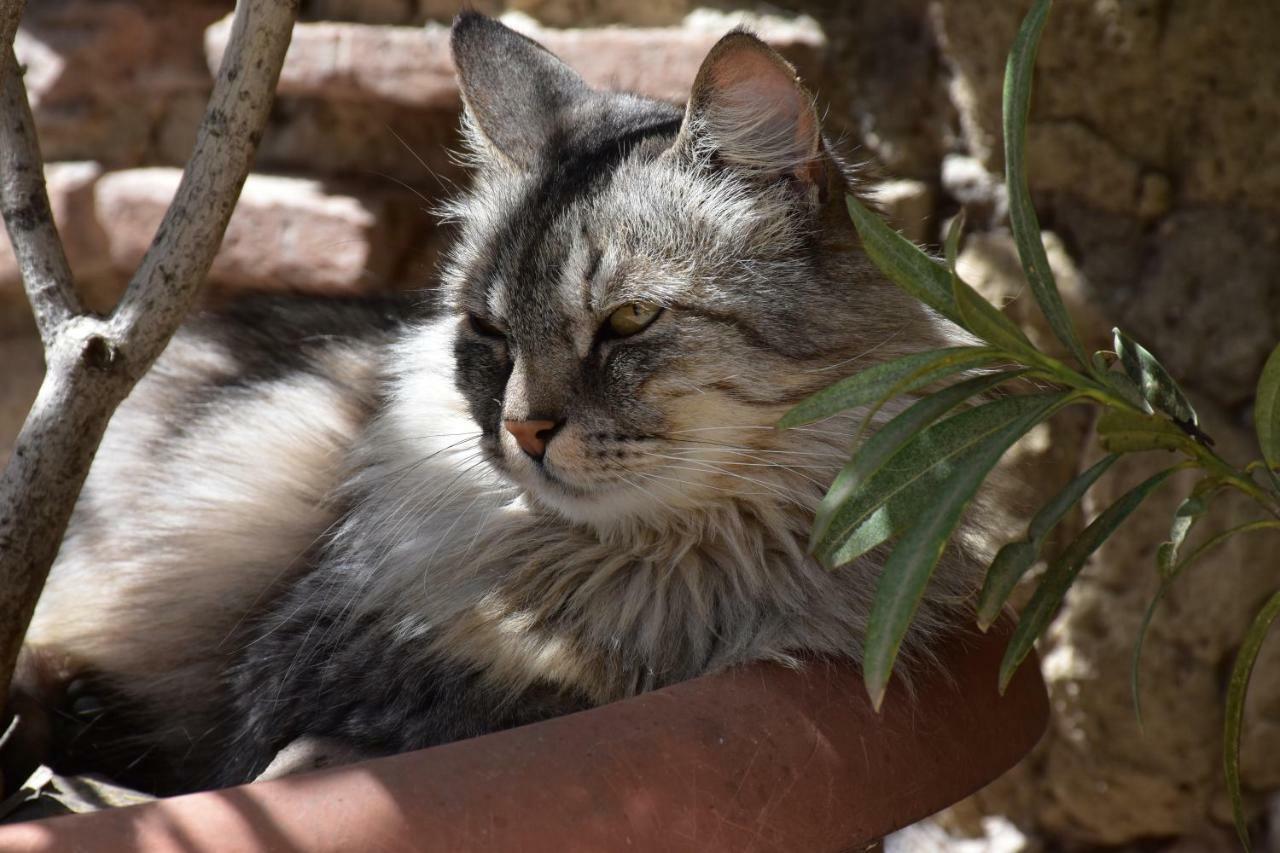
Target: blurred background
x,y
1155,165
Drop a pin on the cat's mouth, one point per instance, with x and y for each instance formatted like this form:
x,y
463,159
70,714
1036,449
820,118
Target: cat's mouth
x,y
581,497
545,472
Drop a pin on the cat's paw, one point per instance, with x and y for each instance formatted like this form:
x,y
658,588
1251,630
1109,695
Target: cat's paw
x,y
309,753
30,730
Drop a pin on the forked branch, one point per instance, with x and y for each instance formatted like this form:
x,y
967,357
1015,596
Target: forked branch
x,y
93,362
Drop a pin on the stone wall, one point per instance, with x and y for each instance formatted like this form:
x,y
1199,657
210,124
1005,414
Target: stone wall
x,y
1155,164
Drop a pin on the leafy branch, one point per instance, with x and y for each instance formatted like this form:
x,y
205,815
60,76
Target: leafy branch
x,y
914,478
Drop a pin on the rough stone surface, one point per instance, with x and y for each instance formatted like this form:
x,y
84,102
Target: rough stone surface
x,y
884,84
1187,89
104,75
909,205
1201,289
1153,156
286,233
1107,780
412,66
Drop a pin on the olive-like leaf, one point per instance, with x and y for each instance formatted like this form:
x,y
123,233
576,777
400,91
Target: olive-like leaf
x,y
903,261
924,376
1237,689
1192,508
1154,382
907,572
1014,559
867,386
1022,216
1062,573
1126,389
1135,667
889,438
1266,411
1125,432
904,487
977,314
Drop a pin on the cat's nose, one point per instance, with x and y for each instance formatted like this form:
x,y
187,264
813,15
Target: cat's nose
x,y
532,436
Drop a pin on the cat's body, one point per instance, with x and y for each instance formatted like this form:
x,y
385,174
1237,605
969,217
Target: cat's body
x,y
393,527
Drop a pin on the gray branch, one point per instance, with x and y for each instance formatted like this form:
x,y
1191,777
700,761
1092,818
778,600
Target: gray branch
x,y
25,203
10,15
91,362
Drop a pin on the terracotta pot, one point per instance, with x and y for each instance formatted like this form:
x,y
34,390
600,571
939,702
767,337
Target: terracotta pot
x,y
756,758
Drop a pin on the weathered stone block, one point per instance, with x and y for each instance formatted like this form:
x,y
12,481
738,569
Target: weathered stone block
x,y
412,66
103,74
286,233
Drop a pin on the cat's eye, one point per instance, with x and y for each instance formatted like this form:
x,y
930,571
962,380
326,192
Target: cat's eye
x,y
632,318
483,327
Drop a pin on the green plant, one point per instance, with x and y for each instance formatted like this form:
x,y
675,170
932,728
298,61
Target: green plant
x,y
941,456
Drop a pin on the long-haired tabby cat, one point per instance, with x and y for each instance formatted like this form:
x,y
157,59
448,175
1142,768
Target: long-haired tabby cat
x,y
391,527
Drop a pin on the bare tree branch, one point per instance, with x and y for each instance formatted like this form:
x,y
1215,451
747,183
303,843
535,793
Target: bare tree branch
x,y
10,15
25,203
92,363
192,229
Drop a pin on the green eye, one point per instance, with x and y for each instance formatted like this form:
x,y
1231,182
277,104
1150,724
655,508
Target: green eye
x,y
633,318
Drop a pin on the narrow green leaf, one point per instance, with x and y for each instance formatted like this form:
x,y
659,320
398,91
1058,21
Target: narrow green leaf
x,y
1166,583
1126,389
1062,573
1014,559
903,488
889,438
1022,216
869,385
903,261
1154,382
907,572
1237,689
1135,667
945,367
1126,432
986,321
1266,411
977,314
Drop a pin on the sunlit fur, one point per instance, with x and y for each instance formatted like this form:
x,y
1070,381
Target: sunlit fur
x,y
310,542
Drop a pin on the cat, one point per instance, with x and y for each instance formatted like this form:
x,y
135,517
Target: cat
x,y
390,525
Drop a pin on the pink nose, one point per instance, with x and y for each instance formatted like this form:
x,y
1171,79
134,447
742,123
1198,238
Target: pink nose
x,y
532,436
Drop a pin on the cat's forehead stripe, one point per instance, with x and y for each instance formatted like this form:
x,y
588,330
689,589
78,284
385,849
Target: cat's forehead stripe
x,y
523,245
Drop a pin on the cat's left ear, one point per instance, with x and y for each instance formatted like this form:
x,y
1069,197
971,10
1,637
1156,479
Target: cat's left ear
x,y
749,110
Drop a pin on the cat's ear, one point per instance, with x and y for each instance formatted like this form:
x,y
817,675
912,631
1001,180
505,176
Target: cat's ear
x,y
514,90
749,110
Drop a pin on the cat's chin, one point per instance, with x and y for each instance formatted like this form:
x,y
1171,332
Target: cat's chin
x,y
604,506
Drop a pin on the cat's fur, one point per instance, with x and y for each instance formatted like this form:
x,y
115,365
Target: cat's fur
x,y
308,520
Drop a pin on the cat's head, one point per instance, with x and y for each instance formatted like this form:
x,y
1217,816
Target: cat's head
x,y
641,290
